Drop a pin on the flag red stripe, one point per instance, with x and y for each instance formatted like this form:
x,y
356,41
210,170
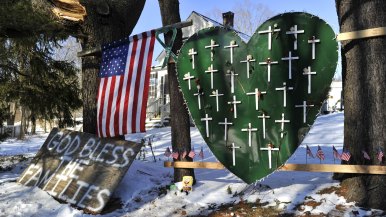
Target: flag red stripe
x,y
103,92
130,74
109,106
137,83
118,105
98,106
114,110
99,103
147,81
105,105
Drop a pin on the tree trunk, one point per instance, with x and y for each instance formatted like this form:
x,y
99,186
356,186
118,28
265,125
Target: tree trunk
x,y
11,119
180,124
364,75
33,124
12,114
106,21
22,123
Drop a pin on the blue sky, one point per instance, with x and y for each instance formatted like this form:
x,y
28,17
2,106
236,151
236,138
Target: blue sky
x,y
151,17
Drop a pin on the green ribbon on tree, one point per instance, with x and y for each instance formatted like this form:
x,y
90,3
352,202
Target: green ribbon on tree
x,y
168,47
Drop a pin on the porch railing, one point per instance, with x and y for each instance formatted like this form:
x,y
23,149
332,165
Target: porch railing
x,y
157,109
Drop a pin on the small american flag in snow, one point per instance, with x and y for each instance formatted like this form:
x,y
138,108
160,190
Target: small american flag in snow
x,y
320,153
346,156
192,154
380,155
336,153
183,155
365,155
167,152
309,152
201,154
175,155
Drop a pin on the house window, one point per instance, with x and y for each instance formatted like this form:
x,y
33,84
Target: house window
x,y
153,85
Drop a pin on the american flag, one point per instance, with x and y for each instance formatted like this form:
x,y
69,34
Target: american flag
x,y
192,153
183,155
309,152
365,155
320,153
124,85
175,155
346,156
380,155
201,154
167,152
336,153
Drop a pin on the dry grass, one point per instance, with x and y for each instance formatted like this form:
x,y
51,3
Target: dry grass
x,y
312,203
244,209
340,191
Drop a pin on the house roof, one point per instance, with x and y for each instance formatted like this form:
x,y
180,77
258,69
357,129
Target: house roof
x,y
216,23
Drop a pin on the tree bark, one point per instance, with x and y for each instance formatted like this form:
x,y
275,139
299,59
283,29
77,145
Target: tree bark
x,y
364,75
106,21
23,18
180,123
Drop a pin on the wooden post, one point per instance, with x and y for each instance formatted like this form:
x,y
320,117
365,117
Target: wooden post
x,y
331,168
366,33
195,165
327,168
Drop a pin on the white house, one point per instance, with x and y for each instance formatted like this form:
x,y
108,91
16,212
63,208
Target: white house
x,y
334,100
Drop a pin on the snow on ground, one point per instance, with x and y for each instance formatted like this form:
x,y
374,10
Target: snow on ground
x,y
144,189
27,147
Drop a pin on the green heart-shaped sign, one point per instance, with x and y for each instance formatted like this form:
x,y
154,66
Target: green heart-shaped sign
x,y
254,102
